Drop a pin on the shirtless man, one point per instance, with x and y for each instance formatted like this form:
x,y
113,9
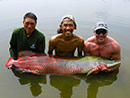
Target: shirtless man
x,y
66,42
102,45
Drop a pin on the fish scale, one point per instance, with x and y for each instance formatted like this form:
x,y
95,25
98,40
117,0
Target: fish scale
x,y
53,65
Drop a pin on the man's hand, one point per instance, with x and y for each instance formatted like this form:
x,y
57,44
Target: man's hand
x,y
101,67
26,53
96,69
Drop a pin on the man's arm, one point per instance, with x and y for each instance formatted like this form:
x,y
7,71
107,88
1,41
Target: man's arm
x,y
51,46
41,45
86,48
13,46
115,56
80,48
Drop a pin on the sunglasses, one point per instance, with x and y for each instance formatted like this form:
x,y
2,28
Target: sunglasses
x,y
101,31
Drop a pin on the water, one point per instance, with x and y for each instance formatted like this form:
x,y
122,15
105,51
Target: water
x,y
49,12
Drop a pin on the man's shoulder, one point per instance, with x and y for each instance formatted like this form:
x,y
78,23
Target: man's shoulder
x,y
17,30
90,39
56,37
90,42
36,30
79,38
113,42
40,34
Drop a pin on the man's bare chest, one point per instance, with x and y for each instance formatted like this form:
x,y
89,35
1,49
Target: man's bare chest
x,y
101,50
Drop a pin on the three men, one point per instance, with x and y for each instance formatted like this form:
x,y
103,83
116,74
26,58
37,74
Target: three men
x,y
66,42
102,45
27,38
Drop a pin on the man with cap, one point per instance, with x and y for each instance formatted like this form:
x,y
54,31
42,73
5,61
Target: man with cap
x,y
103,46
66,42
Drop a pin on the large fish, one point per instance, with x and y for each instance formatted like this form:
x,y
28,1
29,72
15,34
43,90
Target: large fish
x,y
53,65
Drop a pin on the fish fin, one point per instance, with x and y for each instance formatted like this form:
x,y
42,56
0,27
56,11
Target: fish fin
x,y
90,72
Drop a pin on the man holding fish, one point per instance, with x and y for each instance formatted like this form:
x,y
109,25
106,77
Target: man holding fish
x,y
65,45
27,38
66,42
103,46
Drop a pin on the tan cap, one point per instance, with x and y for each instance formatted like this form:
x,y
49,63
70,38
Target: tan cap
x,y
68,17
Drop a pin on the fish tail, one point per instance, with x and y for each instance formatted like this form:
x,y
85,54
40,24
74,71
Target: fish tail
x,y
9,63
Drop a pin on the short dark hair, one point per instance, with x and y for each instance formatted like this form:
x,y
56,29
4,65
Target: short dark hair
x,y
30,15
59,31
